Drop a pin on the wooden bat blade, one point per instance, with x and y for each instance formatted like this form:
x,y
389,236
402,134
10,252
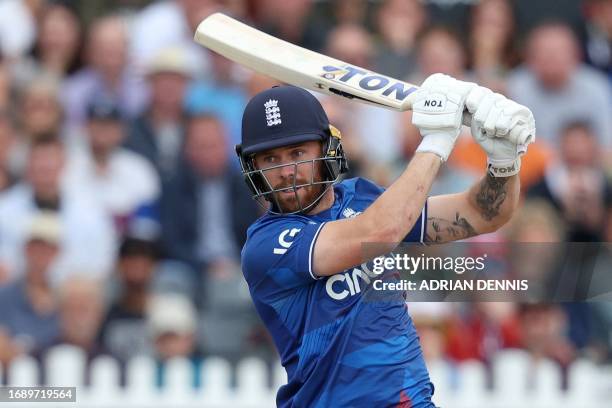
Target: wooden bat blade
x,y
301,67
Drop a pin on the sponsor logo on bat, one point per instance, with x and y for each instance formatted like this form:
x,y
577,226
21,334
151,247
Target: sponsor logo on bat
x,y
368,81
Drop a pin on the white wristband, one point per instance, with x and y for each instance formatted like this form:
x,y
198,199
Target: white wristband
x,y
506,169
437,143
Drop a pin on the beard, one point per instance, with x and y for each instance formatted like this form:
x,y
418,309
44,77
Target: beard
x,y
302,197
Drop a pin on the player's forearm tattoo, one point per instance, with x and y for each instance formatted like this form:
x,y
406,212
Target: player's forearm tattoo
x,y
441,230
491,195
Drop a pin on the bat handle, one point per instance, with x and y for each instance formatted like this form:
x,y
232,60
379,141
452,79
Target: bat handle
x,y
467,118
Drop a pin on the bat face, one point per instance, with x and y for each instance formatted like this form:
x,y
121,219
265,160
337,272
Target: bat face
x,y
298,66
301,67
361,79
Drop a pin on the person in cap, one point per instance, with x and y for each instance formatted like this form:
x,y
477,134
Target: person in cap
x,y
28,317
172,324
121,180
158,133
303,259
172,321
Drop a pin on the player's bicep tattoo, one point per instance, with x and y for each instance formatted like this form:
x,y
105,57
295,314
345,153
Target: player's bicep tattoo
x,y
441,230
491,195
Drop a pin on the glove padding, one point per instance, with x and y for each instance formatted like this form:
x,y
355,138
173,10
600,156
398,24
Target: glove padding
x,y
499,116
503,128
503,155
438,111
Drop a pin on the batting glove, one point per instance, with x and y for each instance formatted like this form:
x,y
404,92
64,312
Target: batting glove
x,y
498,116
438,112
503,128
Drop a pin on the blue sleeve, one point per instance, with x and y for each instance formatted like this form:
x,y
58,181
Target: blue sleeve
x,y
417,234
280,253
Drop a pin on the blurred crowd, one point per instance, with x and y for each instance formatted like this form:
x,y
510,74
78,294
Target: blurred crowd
x,y
123,210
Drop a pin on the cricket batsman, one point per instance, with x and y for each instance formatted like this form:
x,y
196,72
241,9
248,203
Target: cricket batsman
x,y
300,258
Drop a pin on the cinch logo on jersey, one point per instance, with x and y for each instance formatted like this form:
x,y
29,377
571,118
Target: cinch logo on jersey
x,y
368,81
345,284
282,240
338,286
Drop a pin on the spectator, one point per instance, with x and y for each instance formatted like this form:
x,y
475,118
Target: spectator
x,y
544,328
223,212
5,180
491,42
350,12
171,320
39,114
28,315
431,321
599,35
88,11
530,14
123,331
399,23
230,327
577,186
482,330
158,133
57,49
88,242
211,216
224,206
452,178
5,86
557,87
81,309
18,26
222,94
257,82
40,111
106,75
290,20
534,238
7,143
440,50
323,17
339,112
536,222
121,180
353,44
454,14
175,22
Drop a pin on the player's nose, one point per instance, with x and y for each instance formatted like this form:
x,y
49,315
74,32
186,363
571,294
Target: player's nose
x,y
287,171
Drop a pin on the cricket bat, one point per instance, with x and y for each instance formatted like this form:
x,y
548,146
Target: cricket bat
x,y
299,66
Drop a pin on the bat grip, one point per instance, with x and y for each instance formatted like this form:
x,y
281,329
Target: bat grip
x,y
467,118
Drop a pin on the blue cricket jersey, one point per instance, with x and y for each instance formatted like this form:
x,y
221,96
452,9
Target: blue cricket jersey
x,y
339,349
